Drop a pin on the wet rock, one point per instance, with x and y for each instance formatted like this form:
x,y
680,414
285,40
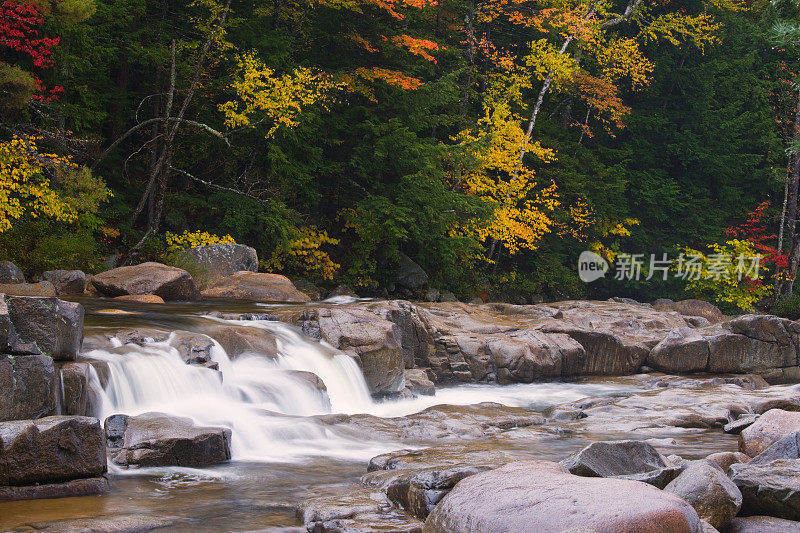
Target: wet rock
x,y
310,378
10,273
313,292
216,261
120,523
66,282
51,450
194,348
762,524
28,387
409,274
158,439
725,459
53,326
704,485
614,458
544,496
418,480
141,298
64,489
75,393
417,382
771,488
43,288
243,340
352,509
170,283
769,428
738,425
374,341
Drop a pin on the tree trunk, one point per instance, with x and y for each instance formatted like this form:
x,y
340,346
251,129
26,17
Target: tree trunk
x,y
791,213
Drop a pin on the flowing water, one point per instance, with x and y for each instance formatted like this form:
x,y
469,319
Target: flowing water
x,y
279,447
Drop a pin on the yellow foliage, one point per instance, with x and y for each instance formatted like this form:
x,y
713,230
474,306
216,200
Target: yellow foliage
x,y
263,96
544,58
24,188
182,241
305,256
522,209
676,28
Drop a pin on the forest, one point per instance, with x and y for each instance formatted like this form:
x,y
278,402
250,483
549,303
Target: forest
x,y
489,141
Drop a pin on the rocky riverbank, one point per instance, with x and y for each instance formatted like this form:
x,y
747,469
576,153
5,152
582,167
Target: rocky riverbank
x,y
706,436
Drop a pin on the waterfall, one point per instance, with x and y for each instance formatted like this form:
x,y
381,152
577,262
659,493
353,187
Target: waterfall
x,y
260,398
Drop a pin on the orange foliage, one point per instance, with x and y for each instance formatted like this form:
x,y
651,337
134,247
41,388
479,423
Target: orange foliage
x,y
392,77
418,47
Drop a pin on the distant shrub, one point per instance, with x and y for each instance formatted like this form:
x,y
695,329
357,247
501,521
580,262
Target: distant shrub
x,y
788,307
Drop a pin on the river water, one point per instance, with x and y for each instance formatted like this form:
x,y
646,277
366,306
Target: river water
x,y
279,448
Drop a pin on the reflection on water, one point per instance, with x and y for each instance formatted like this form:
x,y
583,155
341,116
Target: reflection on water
x,y
279,449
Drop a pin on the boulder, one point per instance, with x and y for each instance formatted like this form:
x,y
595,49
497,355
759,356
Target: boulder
x,y
682,350
771,488
615,458
737,426
51,450
170,283
704,485
141,298
409,274
28,387
769,428
114,523
418,382
216,261
53,326
10,273
374,341
787,447
762,524
158,439
195,348
255,286
66,282
544,496
43,288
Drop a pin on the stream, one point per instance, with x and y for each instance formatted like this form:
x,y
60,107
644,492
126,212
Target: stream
x,y
279,447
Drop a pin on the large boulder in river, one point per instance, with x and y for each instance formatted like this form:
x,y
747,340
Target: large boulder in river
x,y
713,495
768,429
10,273
762,524
692,307
170,283
66,282
239,340
215,261
43,288
255,286
28,387
75,389
51,326
158,439
51,449
544,496
409,274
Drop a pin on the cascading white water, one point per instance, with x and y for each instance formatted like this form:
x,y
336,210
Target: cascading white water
x,y
259,398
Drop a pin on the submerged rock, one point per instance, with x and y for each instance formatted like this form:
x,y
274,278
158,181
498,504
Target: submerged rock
x,y
170,283
141,298
158,439
120,523
43,288
544,496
